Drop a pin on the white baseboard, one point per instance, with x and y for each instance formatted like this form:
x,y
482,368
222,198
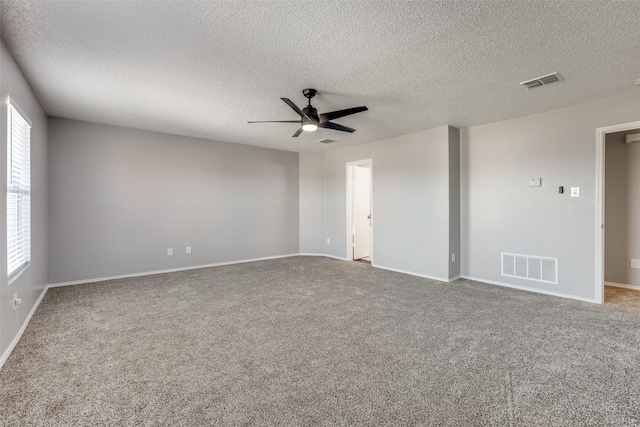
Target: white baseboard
x,y
170,270
411,273
528,289
622,285
335,257
16,339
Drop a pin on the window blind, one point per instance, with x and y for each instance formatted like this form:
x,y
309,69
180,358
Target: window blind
x,y
18,190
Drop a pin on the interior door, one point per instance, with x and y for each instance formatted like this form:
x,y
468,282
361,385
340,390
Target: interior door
x,y
361,212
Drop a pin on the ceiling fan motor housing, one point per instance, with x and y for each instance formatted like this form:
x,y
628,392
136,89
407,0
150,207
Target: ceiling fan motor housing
x,y
312,113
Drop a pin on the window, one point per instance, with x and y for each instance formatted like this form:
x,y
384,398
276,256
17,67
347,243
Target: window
x,y
18,189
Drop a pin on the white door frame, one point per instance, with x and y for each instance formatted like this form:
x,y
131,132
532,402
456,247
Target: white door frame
x,y
601,134
349,174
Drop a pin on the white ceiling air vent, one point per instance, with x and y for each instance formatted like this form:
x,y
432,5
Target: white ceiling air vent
x,y
326,141
543,80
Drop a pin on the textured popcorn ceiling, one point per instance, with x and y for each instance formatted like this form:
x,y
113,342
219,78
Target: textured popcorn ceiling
x,y
205,68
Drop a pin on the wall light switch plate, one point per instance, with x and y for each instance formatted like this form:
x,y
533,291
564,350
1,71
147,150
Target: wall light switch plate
x,y
635,263
188,249
328,241
575,191
169,251
535,182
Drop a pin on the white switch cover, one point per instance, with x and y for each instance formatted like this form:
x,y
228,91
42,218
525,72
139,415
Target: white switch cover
x,y
575,191
188,249
328,241
169,251
535,182
635,263
453,257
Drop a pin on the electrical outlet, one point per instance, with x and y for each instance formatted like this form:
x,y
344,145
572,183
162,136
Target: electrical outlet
x,y
328,241
635,263
169,251
453,257
188,249
16,301
575,191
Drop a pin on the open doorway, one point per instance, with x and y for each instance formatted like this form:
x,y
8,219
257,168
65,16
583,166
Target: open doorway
x,y
359,212
618,213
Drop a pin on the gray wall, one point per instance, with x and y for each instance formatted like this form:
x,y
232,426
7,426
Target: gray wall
x,y
454,201
622,209
120,197
31,283
311,203
410,198
500,213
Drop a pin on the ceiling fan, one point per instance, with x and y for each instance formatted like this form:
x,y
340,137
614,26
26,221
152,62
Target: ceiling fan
x,y
310,120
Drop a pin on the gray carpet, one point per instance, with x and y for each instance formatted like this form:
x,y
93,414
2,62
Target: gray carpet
x,y
315,341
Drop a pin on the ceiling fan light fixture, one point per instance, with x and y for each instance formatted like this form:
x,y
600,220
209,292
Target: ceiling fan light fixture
x,y
309,127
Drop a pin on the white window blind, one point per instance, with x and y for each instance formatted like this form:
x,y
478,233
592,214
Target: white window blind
x,y
18,190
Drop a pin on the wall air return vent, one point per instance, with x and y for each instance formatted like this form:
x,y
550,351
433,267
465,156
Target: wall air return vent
x,y
540,269
542,80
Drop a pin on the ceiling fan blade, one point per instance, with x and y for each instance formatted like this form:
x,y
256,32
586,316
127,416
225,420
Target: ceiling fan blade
x,y
298,132
340,113
335,126
295,107
276,121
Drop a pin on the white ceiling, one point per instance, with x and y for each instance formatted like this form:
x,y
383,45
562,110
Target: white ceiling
x,y
206,68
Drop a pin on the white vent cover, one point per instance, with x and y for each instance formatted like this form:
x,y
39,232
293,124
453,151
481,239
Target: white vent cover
x,y
540,269
326,141
542,80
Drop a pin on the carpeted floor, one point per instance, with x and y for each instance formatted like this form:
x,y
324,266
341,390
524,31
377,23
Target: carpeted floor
x,y
316,341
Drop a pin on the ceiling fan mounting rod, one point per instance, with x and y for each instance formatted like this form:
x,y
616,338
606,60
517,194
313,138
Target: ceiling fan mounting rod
x,y
309,93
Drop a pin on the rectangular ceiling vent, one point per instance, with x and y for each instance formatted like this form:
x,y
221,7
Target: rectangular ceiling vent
x,y
326,141
540,269
543,80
